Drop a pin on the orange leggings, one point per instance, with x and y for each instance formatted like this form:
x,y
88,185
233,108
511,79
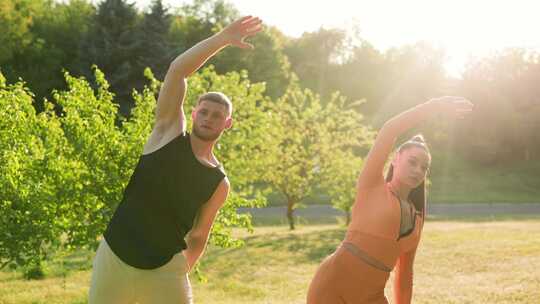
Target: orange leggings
x,y
344,278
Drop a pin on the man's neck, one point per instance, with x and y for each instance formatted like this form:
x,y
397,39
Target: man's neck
x,y
201,148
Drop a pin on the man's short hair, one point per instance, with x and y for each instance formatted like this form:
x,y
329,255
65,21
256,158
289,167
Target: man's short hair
x,y
217,97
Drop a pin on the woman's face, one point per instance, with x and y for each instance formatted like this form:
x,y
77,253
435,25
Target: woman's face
x,y
411,166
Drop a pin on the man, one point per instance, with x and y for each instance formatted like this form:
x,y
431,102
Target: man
x,y
161,227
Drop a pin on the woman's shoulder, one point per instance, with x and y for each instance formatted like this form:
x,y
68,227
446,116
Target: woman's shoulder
x,y
377,188
372,196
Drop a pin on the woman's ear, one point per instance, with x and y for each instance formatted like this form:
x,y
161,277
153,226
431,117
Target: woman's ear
x,y
395,159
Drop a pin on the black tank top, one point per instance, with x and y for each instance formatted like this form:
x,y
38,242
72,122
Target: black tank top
x,y
160,203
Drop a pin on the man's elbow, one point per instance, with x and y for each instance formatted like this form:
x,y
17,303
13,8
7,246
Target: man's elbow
x,y
177,68
196,239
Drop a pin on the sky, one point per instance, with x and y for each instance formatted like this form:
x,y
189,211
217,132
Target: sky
x,y
464,29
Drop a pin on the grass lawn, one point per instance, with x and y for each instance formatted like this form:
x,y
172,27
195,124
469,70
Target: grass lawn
x,y
457,181
454,180
459,261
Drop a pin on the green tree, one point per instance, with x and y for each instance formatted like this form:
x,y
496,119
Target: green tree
x,y
106,157
63,176
314,57
339,179
198,20
111,44
34,172
266,63
307,133
504,89
56,31
16,17
153,32
412,74
363,76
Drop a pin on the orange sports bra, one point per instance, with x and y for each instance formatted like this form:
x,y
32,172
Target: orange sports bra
x,y
376,228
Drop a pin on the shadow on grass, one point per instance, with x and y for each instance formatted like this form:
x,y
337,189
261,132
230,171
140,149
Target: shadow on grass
x,y
296,247
79,260
61,265
310,247
483,218
259,221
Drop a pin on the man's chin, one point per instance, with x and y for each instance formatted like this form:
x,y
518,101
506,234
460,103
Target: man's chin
x,y
206,136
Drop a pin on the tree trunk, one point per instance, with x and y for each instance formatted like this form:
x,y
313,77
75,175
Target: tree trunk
x,y
290,213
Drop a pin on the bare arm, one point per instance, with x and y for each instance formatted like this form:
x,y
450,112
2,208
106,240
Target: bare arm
x,y
372,174
170,118
403,280
198,236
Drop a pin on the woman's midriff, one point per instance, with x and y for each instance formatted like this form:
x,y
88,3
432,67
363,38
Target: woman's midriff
x,y
343,278
383,250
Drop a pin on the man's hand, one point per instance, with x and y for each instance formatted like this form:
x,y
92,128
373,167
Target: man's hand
x,y
236,32
170,118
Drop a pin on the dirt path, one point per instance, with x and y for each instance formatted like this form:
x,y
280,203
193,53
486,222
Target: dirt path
x,y
483,209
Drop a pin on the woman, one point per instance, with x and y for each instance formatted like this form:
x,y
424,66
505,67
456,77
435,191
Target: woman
x,y
387,217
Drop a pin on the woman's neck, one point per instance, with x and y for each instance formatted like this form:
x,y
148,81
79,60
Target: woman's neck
x,y
399,189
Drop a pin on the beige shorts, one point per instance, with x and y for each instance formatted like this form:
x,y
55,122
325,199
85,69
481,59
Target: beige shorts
x,y
114,281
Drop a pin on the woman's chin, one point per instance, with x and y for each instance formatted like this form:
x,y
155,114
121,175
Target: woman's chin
x,y
417,183
413,183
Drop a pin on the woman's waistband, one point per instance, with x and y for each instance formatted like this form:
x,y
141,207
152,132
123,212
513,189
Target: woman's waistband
x,y
359,253
379,250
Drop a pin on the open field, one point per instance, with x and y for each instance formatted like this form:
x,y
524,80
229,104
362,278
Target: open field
x,y
459,261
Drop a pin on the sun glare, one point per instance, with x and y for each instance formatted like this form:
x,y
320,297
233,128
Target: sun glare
x,y
464,29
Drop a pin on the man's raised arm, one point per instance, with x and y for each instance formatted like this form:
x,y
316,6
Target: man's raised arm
x,y
170,118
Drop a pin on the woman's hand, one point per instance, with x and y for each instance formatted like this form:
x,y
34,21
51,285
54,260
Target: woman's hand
x,y
453,106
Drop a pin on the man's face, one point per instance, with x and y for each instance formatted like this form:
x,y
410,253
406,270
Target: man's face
x,y
210,119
